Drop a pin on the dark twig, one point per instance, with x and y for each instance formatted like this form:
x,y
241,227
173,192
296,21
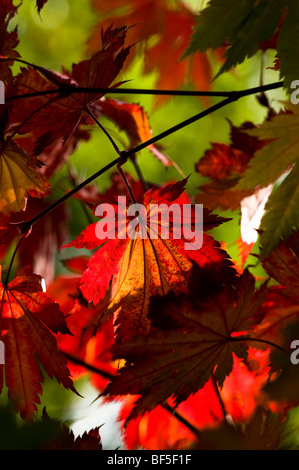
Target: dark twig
x,y
126,154
181,418
227,416
110,377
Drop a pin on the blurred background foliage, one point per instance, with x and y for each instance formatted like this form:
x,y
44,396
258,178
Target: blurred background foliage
x,y
56,39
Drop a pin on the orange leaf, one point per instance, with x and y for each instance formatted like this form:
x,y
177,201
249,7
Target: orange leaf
x,y
132,119
18,178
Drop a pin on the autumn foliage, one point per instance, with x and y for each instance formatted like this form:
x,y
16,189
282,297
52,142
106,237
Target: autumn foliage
x,y
194,345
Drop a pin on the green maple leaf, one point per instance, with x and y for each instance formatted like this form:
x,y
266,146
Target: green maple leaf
x,y
221,20
260,25
243,25
278,155
282,213
287,47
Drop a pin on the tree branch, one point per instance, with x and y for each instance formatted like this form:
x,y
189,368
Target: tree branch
x,y
110,377
181,418
227,416
234,96
67,90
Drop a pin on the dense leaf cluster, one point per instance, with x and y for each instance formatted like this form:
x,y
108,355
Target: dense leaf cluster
x,y
194,346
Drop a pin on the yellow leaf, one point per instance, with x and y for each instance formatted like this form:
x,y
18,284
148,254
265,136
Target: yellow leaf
x,y
18,178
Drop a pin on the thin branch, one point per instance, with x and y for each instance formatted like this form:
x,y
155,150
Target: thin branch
x,y
110,377
35,111
139,173
182,419
12,259
227,416
259,340
181,125
87,366
234,96
126,154
68,89
119,167
66,196
123,91
93,117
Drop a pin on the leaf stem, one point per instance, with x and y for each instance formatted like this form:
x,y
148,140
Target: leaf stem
x,y
182,419
259,340
227,416
119,167
123,158
87,366
139,173
21,238
66,196
93,117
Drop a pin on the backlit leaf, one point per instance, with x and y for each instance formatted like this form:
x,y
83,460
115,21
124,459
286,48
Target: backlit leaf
x,y
35,114
242,25
29,319
142,267
282,213
18,178
277,155
186,345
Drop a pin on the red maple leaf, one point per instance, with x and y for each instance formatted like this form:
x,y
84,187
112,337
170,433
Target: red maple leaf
x,y
38,251
160,429
189,341
224,164
283,266
29,320
139,268
35,114
8,40
82,345
133,120
159,25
